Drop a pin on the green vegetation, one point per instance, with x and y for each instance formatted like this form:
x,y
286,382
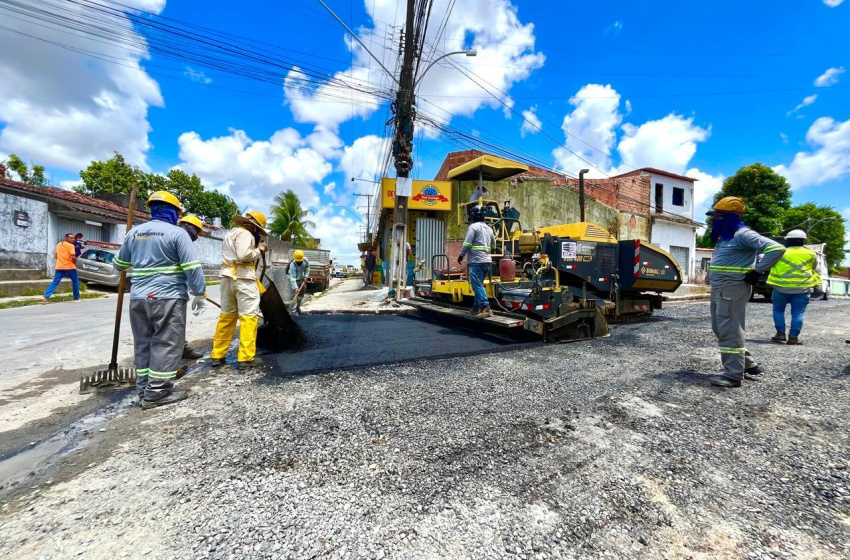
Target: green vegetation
x,y
289,221
27,302
34,176
767,196
116,176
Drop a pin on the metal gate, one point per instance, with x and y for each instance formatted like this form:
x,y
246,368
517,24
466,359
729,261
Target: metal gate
x,y
430,241
682,256
90,232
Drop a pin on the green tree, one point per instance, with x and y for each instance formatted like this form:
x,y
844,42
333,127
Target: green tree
x,y
33,177
213,204
824,225
289,220
766,194
113,176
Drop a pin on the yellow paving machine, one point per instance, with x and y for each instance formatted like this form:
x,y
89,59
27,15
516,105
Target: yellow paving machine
x,y
560,282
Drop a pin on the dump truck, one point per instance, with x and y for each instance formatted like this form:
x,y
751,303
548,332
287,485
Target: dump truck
x,y
561,282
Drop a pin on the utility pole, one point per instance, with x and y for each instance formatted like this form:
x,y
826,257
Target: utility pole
x,y
368,211
403,159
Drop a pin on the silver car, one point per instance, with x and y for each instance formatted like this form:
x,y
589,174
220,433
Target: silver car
x,y
95,266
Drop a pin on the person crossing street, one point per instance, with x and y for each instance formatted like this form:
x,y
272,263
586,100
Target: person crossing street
x,y
792,280
733,272
298,271
478,244
165,269
240,289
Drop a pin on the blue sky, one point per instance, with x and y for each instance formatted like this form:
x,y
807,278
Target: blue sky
x,y
696,88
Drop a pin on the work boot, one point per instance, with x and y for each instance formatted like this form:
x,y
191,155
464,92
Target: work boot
x,y
245,366
190,353
754,371
218,362
794,341
723,381
484,313
778,337
475,311
172,397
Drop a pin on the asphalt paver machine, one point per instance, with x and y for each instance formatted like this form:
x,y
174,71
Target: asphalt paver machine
x,y
560,282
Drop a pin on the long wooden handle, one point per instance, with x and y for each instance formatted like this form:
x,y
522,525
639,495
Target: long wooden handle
x,y
113,363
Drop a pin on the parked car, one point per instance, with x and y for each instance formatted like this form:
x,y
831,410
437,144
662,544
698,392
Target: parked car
x,y
95,266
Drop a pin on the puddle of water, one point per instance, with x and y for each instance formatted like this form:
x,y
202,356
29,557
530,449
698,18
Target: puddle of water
x,y
17,467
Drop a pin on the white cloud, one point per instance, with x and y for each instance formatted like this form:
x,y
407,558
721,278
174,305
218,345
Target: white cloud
x,y
64,109
829,77
364,158
70,185
506,55
339,232
325,142
197,76
804,103
705,188
829,160
784,137
668,143
593,122
531,124
614,28
832,3
254,171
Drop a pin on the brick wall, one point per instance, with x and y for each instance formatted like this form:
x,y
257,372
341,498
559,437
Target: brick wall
x,y
629,194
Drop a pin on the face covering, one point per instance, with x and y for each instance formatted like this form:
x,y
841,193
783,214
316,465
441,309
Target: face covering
x,y
724,225
191,230
164,213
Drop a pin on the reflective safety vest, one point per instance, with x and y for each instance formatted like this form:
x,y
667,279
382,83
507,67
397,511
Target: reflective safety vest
x,y
796,269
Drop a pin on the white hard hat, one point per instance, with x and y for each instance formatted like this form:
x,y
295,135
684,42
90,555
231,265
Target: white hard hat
x,y
796,234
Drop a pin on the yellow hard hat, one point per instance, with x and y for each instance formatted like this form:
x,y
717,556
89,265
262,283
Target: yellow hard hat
x,y
298,255
731,204
194,220
167,197
253,218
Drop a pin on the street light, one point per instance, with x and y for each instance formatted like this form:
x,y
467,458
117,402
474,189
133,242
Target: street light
x,y
365,180
467,52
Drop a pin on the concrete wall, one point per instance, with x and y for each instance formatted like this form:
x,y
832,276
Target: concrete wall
x,y
24,247
632,226
668,183
540,205
667,234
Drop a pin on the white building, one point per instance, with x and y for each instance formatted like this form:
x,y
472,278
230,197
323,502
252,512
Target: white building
x,y
671,211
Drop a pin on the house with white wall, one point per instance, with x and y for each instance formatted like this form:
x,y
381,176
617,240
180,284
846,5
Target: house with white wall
x,y
671,213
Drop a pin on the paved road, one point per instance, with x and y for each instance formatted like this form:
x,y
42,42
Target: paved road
x,y
608,448
67,335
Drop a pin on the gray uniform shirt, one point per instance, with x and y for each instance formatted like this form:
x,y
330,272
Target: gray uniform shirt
x,y
164,262
297,271
734,258
478,243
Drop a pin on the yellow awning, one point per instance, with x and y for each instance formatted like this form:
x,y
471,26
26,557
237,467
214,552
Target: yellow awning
x,y
492,169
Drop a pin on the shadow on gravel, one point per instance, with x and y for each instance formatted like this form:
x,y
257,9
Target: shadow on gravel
x,y
687,377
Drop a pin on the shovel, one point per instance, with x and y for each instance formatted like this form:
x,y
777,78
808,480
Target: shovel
x,y
113,373
294,303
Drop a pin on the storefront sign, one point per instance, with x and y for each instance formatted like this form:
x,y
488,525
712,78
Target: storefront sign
x,y
425,195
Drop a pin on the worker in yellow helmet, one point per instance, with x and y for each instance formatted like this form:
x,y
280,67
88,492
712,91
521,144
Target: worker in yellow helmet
x,y
298,272
165,270
734,270
240,292
195,228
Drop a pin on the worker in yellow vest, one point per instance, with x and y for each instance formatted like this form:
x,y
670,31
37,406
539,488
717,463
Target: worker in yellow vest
x,y
240,291
792,279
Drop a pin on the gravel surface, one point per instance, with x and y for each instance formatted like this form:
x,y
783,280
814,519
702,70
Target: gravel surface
x,y
611,448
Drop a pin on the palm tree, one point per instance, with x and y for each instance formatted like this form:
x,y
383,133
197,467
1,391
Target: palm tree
x,y
288,220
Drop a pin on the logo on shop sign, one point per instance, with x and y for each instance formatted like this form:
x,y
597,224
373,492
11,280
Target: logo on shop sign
x,y
430,195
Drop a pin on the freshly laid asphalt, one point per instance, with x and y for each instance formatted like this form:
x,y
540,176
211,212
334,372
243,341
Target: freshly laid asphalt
x,y
351,341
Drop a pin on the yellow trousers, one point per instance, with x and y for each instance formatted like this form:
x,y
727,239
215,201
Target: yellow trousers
x,y
240,300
